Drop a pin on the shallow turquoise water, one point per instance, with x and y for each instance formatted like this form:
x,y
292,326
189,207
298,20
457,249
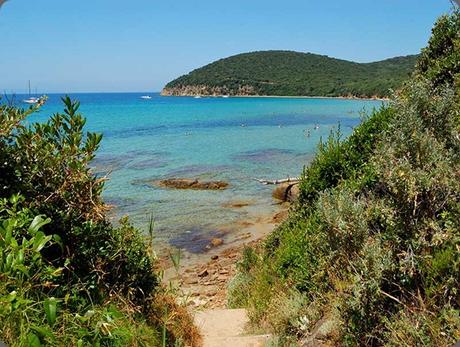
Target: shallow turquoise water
x,y
234,139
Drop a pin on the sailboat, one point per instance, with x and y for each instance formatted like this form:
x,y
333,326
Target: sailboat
x,y
31,99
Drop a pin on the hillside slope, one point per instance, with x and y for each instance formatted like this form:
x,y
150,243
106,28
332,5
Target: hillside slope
x,y
287,73
370,255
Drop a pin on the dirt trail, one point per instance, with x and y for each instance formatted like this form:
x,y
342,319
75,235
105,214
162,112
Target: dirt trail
x,y
227,328
204,280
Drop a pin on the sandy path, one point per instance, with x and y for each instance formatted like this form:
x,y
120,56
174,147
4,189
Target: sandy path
x,y
226,328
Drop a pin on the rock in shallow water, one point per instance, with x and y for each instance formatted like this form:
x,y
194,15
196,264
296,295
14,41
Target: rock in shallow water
x,y
217,242
188,183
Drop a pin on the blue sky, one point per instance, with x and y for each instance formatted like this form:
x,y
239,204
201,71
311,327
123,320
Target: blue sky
x,y
139,45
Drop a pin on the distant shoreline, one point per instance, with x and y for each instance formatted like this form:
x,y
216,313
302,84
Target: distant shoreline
x,y
283,97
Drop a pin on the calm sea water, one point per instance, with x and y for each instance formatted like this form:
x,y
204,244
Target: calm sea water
x,y
233,139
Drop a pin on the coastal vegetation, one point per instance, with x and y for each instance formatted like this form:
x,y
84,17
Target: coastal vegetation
x,y
286,73
67,275
370,253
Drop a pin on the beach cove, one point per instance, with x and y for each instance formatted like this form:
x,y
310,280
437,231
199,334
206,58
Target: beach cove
x,y
233,140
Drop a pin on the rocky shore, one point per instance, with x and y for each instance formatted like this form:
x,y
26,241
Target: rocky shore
x,y
202,279
204,90
248,91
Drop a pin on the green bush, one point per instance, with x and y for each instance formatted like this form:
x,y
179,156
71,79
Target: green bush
x,y
338,160
67,275
34,309
439,61
48,164
374,242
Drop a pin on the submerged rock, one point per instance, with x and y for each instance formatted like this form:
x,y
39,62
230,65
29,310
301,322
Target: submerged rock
x,y
237,204
188,183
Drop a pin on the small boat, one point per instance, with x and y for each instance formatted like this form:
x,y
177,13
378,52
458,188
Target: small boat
x,y
31,100
225,96
147,97
197,97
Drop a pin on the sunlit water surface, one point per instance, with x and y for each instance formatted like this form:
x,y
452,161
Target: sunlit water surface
x,y
230,139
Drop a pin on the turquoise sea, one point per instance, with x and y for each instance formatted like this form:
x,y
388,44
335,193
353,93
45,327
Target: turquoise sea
x,y
230,139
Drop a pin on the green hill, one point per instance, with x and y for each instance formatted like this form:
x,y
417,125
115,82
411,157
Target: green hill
x,y
287,73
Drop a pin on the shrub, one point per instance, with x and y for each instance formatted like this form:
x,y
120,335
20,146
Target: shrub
x,y
34,310
48,164
338,160
68,276
374,239
439,60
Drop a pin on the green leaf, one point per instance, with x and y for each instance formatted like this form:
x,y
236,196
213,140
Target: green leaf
x,y
40,241
58,240
33,340
10,297
37,223
51,310
9,234
9,261
43,332
20,258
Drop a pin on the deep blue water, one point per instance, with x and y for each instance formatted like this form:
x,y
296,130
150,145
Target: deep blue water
x,y
231,139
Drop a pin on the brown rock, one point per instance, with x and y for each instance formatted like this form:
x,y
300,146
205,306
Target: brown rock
x,y
286,192
281,191
191,281
214,257
203,273
187,183
216,242
294,193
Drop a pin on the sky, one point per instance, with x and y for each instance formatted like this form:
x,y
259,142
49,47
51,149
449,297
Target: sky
x,y
140,45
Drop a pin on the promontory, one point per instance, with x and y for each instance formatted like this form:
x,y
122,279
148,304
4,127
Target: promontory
x,y
288,73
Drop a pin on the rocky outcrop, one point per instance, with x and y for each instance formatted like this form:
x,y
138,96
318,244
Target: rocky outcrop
x,y
204,90
187,183
286,192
